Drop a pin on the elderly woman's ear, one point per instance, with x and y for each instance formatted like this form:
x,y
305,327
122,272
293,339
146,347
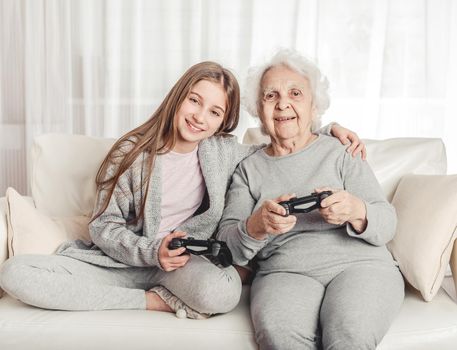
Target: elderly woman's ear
x,y
350,138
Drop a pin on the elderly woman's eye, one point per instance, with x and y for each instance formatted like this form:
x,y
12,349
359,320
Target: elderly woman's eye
x,y
269,96
296,93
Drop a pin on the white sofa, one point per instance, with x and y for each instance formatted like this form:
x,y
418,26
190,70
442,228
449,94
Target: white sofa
x,y
63,168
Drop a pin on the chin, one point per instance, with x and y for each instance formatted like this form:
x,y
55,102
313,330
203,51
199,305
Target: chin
x,y
194,137
288,135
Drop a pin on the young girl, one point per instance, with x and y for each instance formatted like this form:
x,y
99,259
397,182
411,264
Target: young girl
x,y
167,178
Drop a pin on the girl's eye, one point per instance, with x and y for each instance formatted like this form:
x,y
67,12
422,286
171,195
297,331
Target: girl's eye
x,y
216,114
193,99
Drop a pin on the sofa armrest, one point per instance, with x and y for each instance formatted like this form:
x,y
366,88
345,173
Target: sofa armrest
x,y
3,231
3,235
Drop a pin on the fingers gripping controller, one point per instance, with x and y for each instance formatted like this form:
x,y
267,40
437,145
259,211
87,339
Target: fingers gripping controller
x,y
214,248
295,205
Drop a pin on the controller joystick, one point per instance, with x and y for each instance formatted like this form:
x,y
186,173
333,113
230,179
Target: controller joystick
x,y
214,248
295,205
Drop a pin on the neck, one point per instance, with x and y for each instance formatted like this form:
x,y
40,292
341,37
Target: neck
x,y
284,147
184,147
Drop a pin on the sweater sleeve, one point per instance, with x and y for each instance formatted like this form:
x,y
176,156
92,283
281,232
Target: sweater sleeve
x,y
360,181
243,151
232,227
112,233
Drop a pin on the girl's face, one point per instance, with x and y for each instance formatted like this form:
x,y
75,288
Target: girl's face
x,y
200,115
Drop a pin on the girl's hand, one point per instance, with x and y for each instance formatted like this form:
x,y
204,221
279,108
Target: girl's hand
x,y
171,259
342,207
347,136
269,218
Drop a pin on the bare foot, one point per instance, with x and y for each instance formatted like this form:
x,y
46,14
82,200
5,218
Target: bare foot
x,y
156,303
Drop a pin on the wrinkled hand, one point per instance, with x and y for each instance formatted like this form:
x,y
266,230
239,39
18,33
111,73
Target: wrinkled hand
x,y
171,259
347,137
342,207
269,219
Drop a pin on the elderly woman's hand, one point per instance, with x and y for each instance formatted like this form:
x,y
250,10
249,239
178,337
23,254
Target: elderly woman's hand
x,y
342,207
270,219
347,136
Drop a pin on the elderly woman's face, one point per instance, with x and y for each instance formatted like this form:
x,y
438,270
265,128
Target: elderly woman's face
x,y
286,103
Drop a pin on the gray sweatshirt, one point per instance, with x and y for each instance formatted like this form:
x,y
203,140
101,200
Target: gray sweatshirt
x,y
324,162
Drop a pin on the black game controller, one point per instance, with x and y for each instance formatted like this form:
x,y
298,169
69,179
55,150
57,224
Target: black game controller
x,y
214,248
293,205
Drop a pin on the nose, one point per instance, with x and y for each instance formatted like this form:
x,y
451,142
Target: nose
x,y
198,117
283,103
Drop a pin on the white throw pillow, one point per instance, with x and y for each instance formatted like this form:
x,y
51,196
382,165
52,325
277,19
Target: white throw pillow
x,y
427,228
31,232
453,264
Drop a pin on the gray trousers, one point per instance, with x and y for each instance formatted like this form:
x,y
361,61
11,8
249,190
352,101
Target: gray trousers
x,y
351,309
63,283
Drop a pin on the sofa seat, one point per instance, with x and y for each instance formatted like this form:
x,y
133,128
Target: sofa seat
x,y
28,327
422,325
419,326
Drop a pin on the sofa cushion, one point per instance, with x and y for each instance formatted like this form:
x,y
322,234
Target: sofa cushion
x,y
453,265
33,328
423,326
63,170
31,232
419,326
3,234
427,227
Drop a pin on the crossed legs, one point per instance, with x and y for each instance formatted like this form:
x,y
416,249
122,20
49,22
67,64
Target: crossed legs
x,y
63,283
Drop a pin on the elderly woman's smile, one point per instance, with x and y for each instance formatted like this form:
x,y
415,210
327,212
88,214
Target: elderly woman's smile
x,y
283,119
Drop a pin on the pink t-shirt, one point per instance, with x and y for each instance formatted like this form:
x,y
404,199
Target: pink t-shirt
x,y
183,188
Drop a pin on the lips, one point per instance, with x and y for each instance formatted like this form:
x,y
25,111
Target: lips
x,y
192,127
284,119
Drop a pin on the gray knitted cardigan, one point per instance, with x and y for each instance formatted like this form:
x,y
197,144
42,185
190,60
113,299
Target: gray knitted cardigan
x,y
118,244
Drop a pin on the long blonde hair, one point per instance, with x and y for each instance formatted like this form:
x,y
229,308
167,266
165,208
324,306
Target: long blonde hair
x,y
159,133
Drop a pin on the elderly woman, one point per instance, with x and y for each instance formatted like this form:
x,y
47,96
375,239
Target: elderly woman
x,y
324,278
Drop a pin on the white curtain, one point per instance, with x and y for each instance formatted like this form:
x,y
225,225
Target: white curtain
x,y
100,68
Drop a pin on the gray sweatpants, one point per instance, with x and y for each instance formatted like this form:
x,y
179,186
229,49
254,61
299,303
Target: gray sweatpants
x,y
350,309
63,283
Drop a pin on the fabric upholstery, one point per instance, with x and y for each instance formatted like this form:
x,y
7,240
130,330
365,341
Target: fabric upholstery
x,y
31,232
426,208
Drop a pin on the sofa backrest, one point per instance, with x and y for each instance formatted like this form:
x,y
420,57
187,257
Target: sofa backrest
x,y
63,167
390,159
63,170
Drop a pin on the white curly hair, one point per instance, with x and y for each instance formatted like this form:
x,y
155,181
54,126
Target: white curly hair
x,y
294,60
